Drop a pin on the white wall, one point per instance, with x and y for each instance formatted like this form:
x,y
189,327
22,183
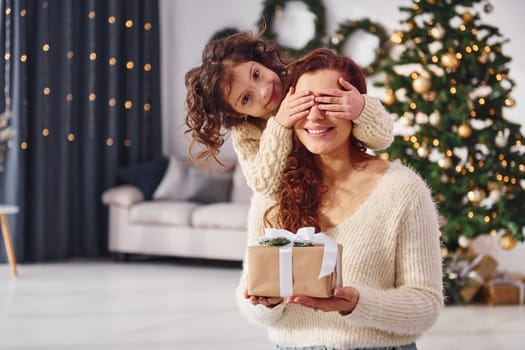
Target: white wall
x,y
186,26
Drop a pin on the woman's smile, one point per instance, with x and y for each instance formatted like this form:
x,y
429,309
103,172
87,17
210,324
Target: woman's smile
x,y
318,131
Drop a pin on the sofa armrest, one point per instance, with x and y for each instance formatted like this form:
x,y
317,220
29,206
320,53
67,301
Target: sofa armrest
x,y
122,196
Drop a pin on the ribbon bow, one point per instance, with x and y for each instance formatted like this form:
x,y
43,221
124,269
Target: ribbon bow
x,y
304,235
466,269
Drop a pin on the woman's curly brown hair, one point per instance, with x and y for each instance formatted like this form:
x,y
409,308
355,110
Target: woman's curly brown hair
x,y
302,188
207,110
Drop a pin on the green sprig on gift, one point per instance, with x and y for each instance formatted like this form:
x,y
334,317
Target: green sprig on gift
x,y
280,241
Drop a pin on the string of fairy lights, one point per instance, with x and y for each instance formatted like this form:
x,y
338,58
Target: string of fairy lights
x,y
113,63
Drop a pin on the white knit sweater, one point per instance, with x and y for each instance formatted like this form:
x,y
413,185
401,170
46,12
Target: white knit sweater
x,y
262,149
391,254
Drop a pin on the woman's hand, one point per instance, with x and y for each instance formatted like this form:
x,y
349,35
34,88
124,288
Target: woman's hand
x,y
346,104
266,301
294,107
344,301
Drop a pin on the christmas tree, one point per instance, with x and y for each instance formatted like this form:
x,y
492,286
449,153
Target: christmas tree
x,y
447,82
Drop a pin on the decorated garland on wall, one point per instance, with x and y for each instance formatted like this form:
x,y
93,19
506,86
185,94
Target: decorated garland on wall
x,y
273,8
347,28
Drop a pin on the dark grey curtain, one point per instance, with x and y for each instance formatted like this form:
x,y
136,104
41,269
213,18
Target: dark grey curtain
x,y
84,92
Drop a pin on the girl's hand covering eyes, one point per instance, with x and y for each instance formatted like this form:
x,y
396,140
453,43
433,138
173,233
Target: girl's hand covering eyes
x,y
294,107
347,103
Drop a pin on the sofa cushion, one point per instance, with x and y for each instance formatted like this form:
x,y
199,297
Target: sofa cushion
x,y
205,187
146,175
162,213
221,215
173,183
241,193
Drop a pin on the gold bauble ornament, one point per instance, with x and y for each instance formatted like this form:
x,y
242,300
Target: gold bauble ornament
x,y
483,57
449,60
430,96
422,152
467,17
432,2
476,195
397,37
507,241
390,98
421,84
465,131
445,163
510,102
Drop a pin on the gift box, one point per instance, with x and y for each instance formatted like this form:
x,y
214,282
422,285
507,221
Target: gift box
x,y
505,290
476,272
307,270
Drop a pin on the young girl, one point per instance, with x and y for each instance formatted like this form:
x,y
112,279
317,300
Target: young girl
x,y
381,213
239,87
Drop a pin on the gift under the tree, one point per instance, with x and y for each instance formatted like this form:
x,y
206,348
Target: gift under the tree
x,y
507,289
476,272
286,264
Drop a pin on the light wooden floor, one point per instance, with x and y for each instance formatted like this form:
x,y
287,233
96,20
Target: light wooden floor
x,y
180,304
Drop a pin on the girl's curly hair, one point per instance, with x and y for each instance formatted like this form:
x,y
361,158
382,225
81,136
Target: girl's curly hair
x,y
207,110
302,188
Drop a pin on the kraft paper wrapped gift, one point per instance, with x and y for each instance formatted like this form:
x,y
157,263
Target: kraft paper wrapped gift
x,y
286,270
476,272
505,290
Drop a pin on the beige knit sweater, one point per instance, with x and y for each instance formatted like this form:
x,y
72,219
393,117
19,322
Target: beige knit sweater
x,y
391,254
262,149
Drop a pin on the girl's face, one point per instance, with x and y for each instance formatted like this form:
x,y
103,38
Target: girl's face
x,y
320,134
255,90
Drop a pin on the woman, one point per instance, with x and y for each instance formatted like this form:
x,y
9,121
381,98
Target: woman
x,y
239,86
381,213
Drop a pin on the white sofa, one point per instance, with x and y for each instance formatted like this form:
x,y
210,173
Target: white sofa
x,y
172,225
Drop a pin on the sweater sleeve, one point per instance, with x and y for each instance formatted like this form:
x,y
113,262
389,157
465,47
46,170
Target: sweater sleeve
x,y
262,153
414,304
374,126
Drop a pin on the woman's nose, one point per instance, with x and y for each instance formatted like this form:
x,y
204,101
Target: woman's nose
x,y
315,113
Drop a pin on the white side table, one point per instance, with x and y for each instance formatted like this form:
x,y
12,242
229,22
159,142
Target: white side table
x,y
4,211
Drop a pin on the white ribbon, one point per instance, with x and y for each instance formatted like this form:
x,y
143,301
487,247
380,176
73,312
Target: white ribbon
x,y
467,268
330,261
